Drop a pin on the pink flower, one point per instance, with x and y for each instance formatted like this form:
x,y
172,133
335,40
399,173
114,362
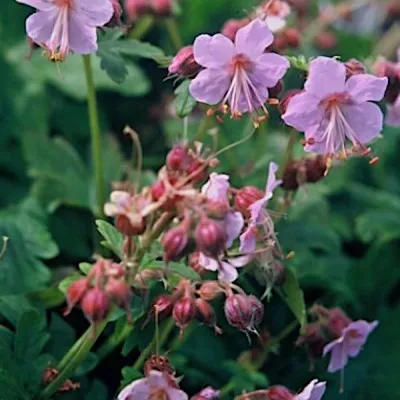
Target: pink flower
x,y
349,344
331,109
393,113
237,73
64,25
274,13
216,188
155,385
259,215
313,391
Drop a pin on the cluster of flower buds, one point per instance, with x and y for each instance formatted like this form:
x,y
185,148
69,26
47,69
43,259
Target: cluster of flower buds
x,y
286,38
184,64
104,286
137,8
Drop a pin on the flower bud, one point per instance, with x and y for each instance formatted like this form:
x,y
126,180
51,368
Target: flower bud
x,y
280,42
337,321
354,67
292,37
239,312
197,170
313,339
136,8
279,393
210,237
245,197
116,18
75,292
258,309
95,305
120,292
207,314
209,290
231,27
175,243
184,63
135,225
325,40
207,393
275,91
184,311
178,158
316,168
162,8
217,209
286,99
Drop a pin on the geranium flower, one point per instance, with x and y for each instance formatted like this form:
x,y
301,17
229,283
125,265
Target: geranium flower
x,y
64,25
349,344
332,110
313,391
216,188
237,73
259,216
155,386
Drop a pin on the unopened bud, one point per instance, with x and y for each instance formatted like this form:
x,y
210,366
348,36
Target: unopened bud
x,y
162,8
275,91
313,339
292,37
197,171
95,305
245,197
279,393
162,306
184,311
258,309
337,321
75,293
316,168
231,27
116,18
280,42
354,67
209,290
120,292
194,263
210,237
286,99
206,314
175,243
184,63
240,313
325,40
130,226
178,158
217,209
207,393
136,8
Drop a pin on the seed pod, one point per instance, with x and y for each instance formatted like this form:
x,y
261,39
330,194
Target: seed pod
x,y
95,305
239,312
210,237
209,290
163,305
175,243
245,197
197,170
206,314
184,311
75,292
258,309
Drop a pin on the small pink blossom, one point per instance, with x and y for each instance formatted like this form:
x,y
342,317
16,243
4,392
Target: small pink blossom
x,y
67,25
313,391
393,113
274,13
216,188
259,215
332,109
349,344
237,73
155,385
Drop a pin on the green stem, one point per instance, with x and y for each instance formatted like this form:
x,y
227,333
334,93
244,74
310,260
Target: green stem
x,y
165,331
95,135
114,341
73,358
173,33
288,154
143,25
227,388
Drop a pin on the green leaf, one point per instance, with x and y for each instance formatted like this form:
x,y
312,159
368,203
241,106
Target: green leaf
x,y
382,224
129,374
113,238
293,296
66,282
85,267
184,102
12,308
87,365
179,268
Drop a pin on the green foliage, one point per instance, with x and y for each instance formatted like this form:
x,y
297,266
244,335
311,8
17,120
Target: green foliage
x,y
113,238
184,102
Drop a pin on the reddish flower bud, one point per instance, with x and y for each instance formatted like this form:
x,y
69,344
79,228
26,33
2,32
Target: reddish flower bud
x,y
207,393
217,209
231,27
209,290
143,278
161,8
158,363
197,170
258,309
241,311
195,264
95,305
313,339
120,292
175,243
280,42
184,63
116,18
178,158
354,67
136,8
275,91
130,226
163,305
245,197
210,237
286,99
184,311
325,40
207,314
157,190
292,37
75,292
337,321
279,393
316,168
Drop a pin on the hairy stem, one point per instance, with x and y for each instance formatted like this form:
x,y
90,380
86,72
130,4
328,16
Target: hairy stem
x,y
143,25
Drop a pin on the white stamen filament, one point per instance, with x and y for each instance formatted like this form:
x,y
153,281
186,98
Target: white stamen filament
x,y
58,43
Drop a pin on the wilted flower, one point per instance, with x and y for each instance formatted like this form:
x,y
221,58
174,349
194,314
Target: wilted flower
x,y
155,385
64,25
331,109
240,73
259,215
349,344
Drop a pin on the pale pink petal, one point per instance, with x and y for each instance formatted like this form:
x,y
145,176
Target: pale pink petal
x,y
256,209
140,388
217,187
176,394
41,5
365,87
210,86
208,263
111,209
240,261
393,113
356,335
303,112
39,26
213,51
233,224
313,391
339,356
248,239
272,182
227,272
93,12
365,120
82,38
275,23
158,380
268,69
326,76
253,39
251,99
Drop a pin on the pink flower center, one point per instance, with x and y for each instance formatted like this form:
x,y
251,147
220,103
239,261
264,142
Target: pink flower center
x,y
239,62
63,3
354,334
158,394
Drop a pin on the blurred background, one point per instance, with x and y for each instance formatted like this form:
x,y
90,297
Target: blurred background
x,y
344,230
